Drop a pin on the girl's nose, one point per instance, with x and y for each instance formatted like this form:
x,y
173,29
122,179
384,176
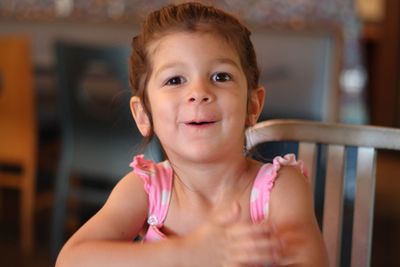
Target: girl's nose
x,y
199,99
200,93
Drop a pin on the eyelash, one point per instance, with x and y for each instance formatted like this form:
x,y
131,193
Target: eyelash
x,y
172,80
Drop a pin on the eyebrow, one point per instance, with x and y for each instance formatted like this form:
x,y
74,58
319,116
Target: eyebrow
x,y
222,60
167,66
228,61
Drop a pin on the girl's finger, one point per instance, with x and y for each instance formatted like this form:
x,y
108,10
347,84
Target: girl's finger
x,y
255,250
240,231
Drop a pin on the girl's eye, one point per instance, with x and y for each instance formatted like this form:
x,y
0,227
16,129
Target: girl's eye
x,y
175,80
221,77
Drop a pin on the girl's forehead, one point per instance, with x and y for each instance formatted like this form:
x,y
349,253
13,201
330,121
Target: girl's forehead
x,y
167,40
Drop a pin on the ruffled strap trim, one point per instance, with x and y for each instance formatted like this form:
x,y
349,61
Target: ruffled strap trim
x,y
264,182
289,160
144,168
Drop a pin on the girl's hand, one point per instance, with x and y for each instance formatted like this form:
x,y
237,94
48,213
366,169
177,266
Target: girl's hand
x,y
253,245
225,242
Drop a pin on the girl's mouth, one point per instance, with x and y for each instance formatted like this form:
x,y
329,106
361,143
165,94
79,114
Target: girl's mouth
x,y
195,123
199,124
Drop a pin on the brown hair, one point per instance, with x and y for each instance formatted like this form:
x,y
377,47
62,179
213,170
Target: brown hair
x,y
188,17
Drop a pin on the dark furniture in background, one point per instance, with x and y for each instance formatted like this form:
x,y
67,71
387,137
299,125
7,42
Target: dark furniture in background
x,y
300,70
381,41
98,135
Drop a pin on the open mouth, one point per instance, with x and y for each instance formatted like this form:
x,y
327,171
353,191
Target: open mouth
x,y
200,123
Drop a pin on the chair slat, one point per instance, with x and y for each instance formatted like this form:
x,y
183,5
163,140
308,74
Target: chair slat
x,y
333,203
307,153
363,207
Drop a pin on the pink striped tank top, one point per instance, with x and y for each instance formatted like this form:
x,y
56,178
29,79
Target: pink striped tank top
x,y
158,178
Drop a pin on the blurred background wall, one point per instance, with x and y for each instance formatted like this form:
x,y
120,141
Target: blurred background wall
x,y
341,56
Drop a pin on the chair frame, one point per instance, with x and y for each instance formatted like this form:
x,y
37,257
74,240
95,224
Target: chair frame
x,y
337,136
18,130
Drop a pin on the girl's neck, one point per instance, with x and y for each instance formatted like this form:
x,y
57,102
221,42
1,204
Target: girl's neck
x,y
213,182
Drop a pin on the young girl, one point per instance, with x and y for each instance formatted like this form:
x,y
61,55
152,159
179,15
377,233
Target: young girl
x,y
195,81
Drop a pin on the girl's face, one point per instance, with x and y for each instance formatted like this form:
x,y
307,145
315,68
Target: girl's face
x,y
198,97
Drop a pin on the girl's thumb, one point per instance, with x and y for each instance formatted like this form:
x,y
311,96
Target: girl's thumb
x,y
230,215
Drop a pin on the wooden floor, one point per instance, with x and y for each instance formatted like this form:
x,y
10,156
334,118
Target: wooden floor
x,y
386,246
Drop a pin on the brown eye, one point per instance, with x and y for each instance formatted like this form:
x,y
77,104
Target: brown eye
x,y
221,77
175,80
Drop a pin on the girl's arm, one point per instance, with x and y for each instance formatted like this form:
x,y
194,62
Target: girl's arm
x,y
292,213
106,239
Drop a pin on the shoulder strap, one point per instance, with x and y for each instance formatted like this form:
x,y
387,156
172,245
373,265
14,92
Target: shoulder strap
x,y
157,179
261,191
264,182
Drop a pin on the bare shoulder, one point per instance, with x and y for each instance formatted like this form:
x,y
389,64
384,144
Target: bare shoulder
x,y
122,216
128,193
291,194
127,202
290,178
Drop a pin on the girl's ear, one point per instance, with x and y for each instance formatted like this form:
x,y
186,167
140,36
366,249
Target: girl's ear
x,y
140,116
255,106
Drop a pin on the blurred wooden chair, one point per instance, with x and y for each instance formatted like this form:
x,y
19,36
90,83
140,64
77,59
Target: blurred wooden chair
x,y
18,129
335,142
98,135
